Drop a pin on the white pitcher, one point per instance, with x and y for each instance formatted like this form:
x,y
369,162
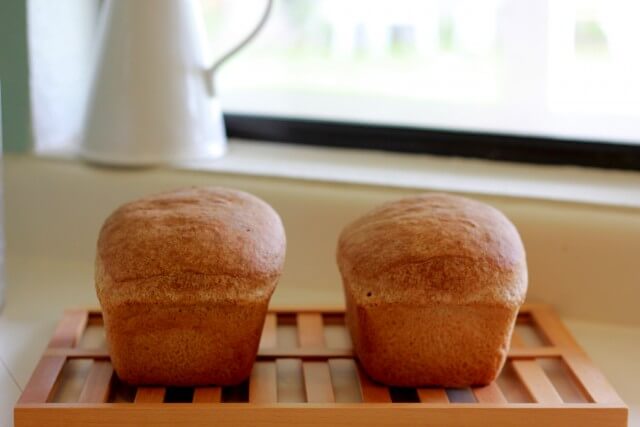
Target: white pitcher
x,y
152,99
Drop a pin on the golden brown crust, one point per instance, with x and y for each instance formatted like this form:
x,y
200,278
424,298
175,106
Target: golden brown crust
x,y
446,345
215,243
434,247
184,279
177,345
433,284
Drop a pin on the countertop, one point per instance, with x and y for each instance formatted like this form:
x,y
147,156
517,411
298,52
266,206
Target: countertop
x,y
581,254
39,289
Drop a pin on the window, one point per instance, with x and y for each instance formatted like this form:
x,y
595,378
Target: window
x,y
531,80
565,69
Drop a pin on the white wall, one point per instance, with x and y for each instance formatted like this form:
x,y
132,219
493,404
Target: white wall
x,y
583,259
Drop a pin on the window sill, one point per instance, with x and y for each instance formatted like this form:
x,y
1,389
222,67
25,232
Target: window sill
x,y
420,172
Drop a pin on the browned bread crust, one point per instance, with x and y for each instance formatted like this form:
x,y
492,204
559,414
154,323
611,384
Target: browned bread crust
x,y
184,279
433,284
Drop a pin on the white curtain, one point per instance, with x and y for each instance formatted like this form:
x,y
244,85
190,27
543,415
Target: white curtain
x,y
61,41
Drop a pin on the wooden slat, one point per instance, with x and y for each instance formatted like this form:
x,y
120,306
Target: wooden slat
x,y
371,392
69,329
528,307
373,415
310,330
490,409
552,328
207,394
525,309
311,353
344,378
317,382
348,415
534,352
95,319
269,331
307,353
317,376
97,386
489,394
432,395
43,381
517,342
290,381
591,381
333,309
263,383
150,395
536,382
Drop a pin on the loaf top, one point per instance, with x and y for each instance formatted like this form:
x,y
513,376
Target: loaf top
x,y
188,245
433,248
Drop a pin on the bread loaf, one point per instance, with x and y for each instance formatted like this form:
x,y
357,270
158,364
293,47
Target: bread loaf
x,y
433,284
184,279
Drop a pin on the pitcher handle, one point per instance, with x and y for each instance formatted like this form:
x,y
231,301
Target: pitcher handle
x,y
210,72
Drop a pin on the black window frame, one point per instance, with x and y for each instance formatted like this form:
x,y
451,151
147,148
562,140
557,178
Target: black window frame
x,y
440,142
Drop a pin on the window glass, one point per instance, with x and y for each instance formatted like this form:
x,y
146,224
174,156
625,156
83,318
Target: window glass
x,y
557,68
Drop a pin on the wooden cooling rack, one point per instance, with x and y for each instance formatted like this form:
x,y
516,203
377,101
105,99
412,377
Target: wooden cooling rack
x,y
305,374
